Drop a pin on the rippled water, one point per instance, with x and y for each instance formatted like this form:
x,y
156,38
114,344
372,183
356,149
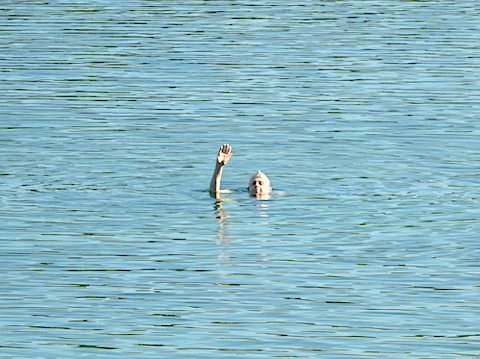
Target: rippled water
x,y
364,113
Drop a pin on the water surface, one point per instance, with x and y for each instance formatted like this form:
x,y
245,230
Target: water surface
x,y
364,113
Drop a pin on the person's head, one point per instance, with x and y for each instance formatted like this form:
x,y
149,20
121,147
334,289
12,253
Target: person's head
x,y
259,184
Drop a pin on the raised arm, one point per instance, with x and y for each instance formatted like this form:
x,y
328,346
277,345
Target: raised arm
x,y
224,154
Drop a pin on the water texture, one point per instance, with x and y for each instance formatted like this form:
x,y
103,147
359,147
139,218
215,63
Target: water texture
x,y
364,113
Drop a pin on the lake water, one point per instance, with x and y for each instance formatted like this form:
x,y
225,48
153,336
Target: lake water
x,y
365,113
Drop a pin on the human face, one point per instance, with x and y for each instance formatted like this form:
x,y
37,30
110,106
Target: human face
x,y
259,184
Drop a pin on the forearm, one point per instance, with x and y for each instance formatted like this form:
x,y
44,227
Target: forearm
x,y
216,178
224,154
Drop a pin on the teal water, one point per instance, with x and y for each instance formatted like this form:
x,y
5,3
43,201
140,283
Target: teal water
x,y
364,113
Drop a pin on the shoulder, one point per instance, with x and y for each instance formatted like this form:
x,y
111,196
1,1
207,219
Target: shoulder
x,y
226,191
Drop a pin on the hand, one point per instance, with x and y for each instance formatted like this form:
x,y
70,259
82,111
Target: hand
x,y
224,154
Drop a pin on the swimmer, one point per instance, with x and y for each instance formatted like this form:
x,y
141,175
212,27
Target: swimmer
x,y
258,186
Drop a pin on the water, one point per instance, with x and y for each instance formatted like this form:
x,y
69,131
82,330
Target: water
x,y
364,113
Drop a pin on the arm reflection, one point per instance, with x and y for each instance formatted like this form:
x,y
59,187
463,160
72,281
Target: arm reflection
x,y
224,225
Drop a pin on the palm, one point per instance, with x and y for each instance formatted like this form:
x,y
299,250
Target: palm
x,y
224,154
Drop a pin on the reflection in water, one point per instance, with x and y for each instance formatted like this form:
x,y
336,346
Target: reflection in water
x,y
224,226
262,210
224,240
224,231
222,215
224,234
262,196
